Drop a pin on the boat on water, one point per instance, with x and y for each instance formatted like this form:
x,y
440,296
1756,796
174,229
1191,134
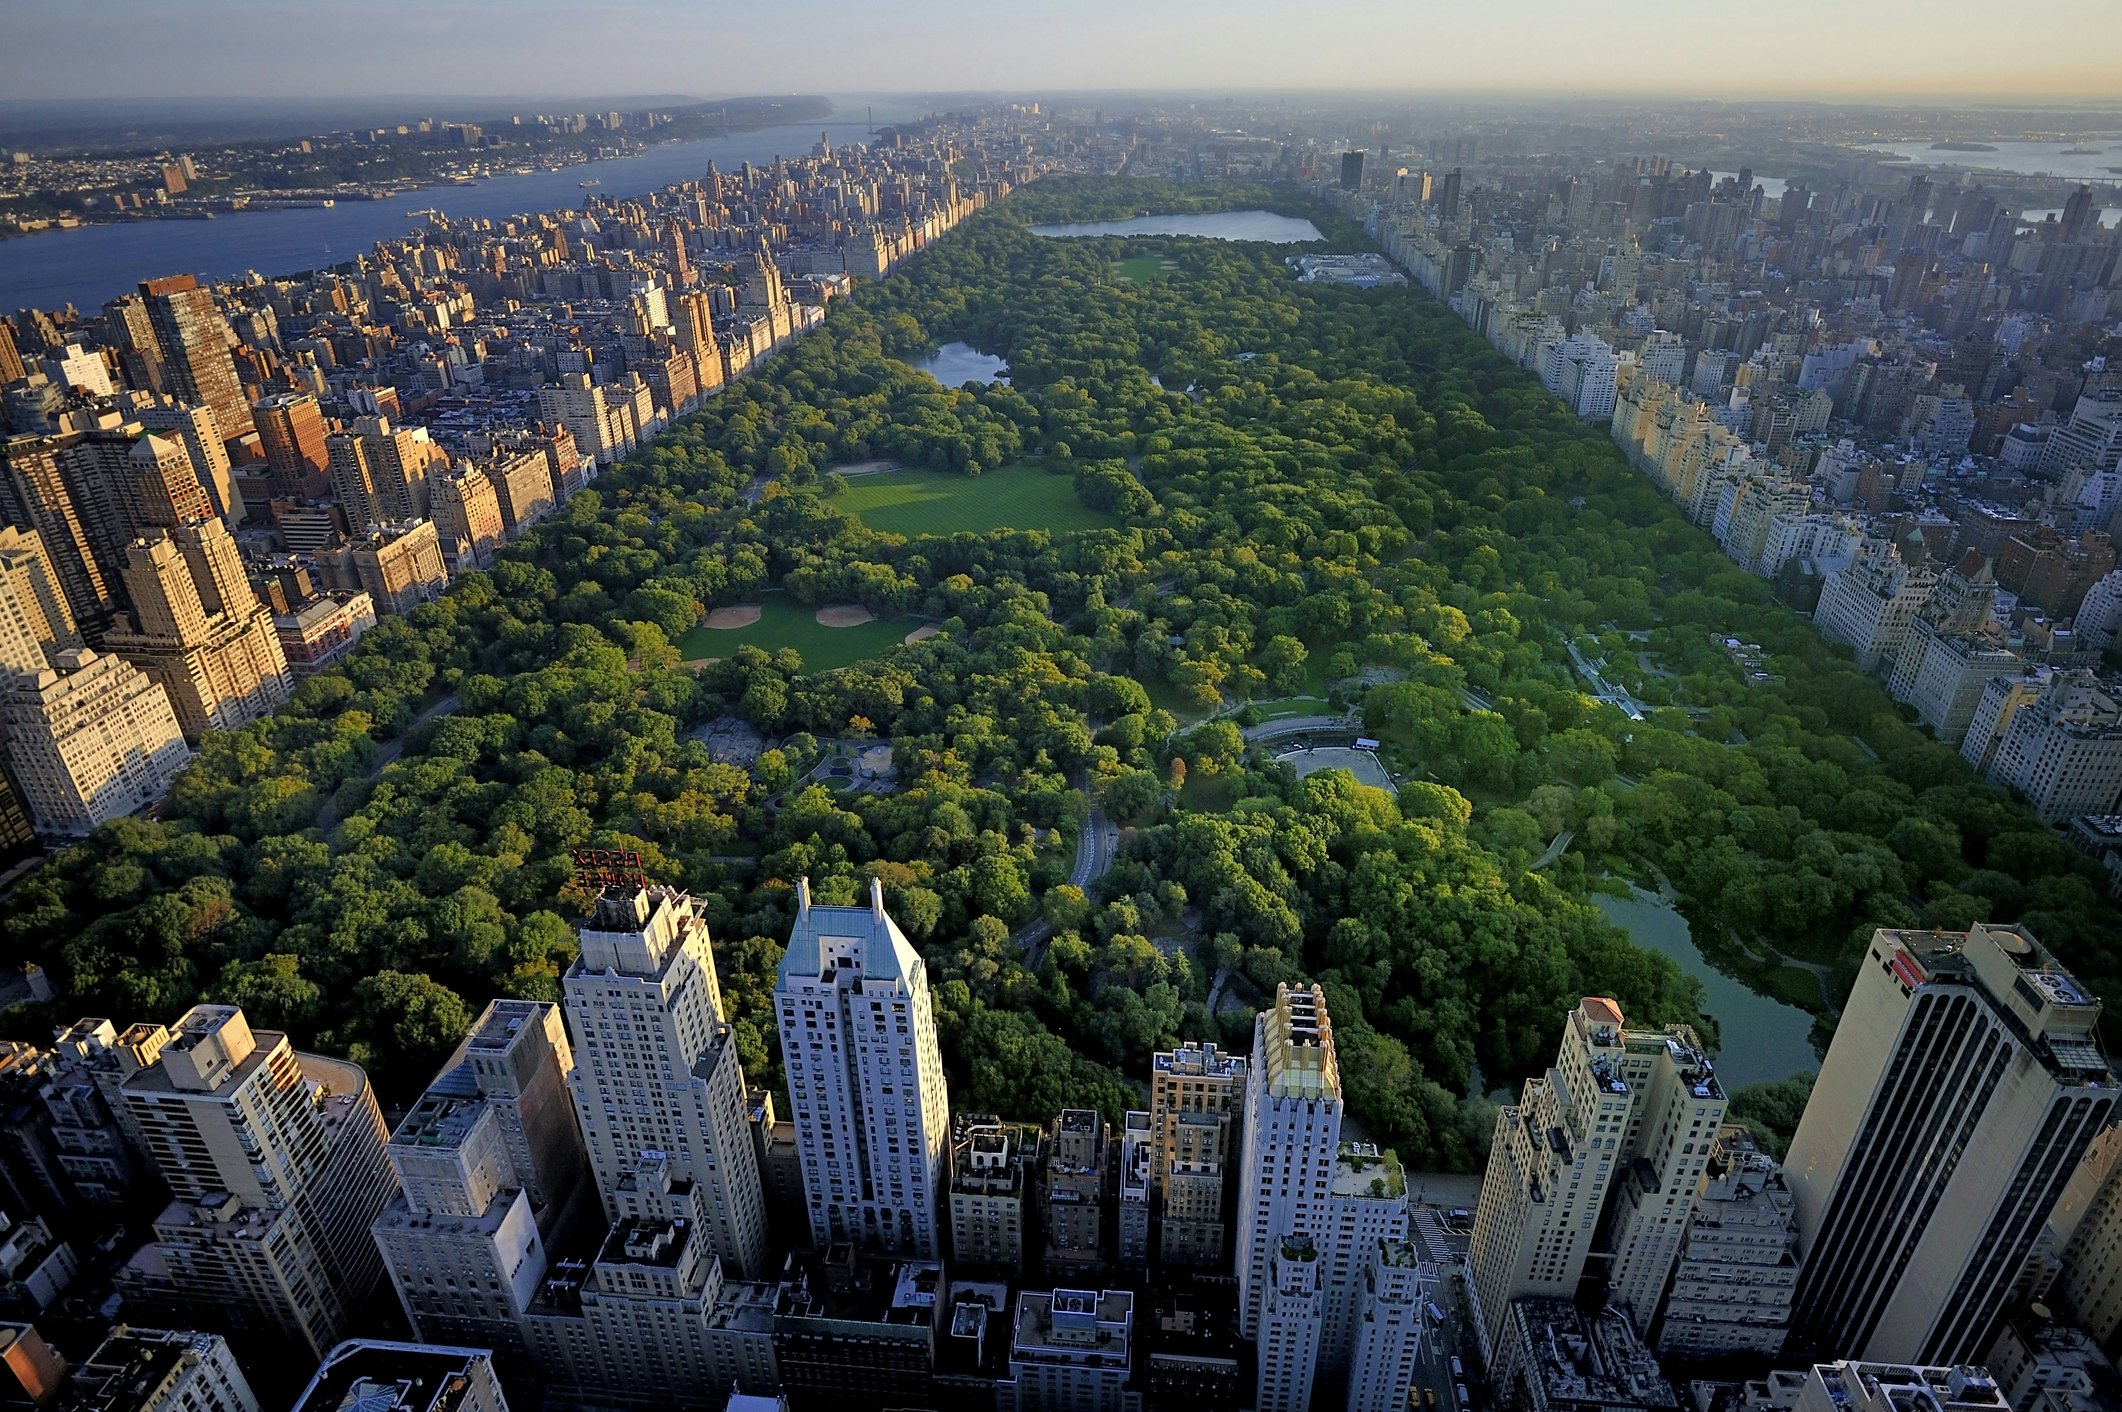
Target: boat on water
x,y
591,182
2081,151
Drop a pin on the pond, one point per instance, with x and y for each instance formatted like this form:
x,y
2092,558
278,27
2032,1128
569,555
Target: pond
x,y
1216,225
1761,1039
956,364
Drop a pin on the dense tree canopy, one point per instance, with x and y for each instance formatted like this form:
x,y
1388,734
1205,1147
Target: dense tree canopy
x,y
1351,494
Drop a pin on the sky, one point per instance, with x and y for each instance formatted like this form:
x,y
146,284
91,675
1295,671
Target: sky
x,y
2055,50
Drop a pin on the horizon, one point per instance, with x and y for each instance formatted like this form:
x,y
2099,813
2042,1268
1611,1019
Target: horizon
x,y
1899,51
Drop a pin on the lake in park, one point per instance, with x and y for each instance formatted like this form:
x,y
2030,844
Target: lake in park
x,y
1761,1039
956,364
1216,225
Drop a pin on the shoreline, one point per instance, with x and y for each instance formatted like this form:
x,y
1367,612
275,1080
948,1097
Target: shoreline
x,y
270,202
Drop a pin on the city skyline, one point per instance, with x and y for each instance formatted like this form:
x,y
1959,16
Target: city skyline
x,y
1896,50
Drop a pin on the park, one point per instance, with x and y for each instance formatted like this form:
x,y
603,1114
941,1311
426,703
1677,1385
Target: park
x,y
1020,496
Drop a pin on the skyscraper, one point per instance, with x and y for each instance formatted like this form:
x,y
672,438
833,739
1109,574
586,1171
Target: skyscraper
x,y
1964,1085
291,431
1351,171
88,737
275,1164
194,340
1292,1317
657,1084
200,631
488,1160
1195,1097
865,1079
1622,1123
1388,1329
1292,1135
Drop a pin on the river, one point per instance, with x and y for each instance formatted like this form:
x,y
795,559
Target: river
x,y
88,265
2095,161
1761,1039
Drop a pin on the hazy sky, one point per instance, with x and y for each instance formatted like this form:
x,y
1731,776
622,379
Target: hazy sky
x,y
2058,49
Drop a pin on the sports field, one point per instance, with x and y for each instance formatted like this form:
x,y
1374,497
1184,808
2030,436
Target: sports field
x,y
1019,496
782,622
1144,269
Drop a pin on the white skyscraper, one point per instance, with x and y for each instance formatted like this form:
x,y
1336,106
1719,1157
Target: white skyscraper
x,y
1292,1135
1292,1317
656,1080
1388,1328
865,1079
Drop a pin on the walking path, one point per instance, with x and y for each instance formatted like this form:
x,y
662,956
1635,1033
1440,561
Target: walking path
x,y
390,750
1095,850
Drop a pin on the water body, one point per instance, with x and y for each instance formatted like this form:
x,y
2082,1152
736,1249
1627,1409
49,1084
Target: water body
x,y
2110,216
1216,225
1771,187
86,266
1763,1040
2026,158
956,364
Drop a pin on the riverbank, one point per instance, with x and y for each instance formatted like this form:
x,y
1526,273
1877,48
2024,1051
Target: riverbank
x,y
525,159
89,264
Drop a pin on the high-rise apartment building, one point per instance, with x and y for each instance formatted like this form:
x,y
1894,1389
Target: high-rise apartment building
x,y
1072,1192
88,737
1131,1205
2087,1226
398,565
276,1168
991,1169
1738,1265
1388,1328
865,1079
291,432
194,342
372,1375
2055,739
1071,1348
1626,1114
488,1162
467,515
1292,1136
1292,1318
159,1370
199,630
658,1088
379,472
204,443
1196,1095
36,494
1964,1085
1366,1205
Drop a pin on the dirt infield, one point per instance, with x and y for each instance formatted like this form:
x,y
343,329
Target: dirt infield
x,y
922,633
845,615
737,615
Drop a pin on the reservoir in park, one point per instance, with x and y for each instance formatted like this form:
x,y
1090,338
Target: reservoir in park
x,y
1265,226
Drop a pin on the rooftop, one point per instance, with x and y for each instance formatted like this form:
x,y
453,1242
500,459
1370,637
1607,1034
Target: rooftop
x,y
1590,1360
1074,1325
371,1376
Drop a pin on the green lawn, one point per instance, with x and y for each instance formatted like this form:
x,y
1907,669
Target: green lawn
x,y
1019,496
786,623
1144,269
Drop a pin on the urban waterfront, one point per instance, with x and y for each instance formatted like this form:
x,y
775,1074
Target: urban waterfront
x,y
87,265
